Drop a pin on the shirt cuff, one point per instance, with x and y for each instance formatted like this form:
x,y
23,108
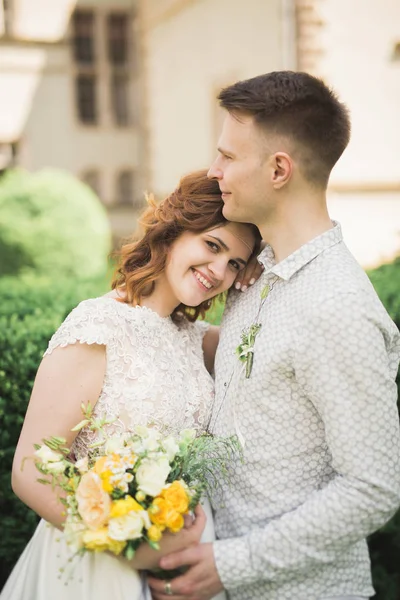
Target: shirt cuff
x,y
233,562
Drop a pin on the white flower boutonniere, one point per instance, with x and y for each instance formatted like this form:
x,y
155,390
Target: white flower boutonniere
x,y
245,350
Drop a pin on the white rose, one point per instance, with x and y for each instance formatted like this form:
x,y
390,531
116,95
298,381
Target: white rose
x,y
171,447
135,446
48,455
114,444
56,467
128,527
151,475
82,465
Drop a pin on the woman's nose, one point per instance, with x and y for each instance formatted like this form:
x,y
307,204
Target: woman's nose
x,y
218,269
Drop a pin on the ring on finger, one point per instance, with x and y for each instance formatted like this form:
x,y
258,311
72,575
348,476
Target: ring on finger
x,y
168,589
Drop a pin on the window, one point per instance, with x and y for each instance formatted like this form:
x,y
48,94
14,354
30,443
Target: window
x,y
83,37
101,48
84,54
125,188
92,179
117,36
86,98
8,17
118,45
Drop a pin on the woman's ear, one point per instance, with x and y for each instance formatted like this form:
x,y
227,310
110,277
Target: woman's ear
x,y
283,169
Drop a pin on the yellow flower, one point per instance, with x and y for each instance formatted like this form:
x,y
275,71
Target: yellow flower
x,y
120,508
163,514
99,465
104,473
158,512
99,541
175,521
176,496
154,533
93,502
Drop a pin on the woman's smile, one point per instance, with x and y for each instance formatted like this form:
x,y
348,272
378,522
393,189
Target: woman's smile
x,y
204,282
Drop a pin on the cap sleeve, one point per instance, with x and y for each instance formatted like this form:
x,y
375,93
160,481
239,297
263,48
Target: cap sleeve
x,y
91,322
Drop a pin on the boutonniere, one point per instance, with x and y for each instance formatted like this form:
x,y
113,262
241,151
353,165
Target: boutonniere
x,y
245,350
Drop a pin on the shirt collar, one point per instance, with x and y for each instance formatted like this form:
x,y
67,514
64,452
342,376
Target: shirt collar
x,y
302,256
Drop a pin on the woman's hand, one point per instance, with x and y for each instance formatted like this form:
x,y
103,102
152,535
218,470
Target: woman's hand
x,y
249,274
148,559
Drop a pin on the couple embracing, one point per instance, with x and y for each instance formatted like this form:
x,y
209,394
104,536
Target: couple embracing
x,y
312,397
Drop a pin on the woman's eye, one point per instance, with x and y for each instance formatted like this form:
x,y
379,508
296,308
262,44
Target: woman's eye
x,y
212,245
235,265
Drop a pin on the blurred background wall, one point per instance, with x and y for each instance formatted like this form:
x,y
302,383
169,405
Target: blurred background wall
x,y
121,93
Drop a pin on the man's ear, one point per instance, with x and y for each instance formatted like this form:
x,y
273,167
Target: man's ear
x,y
282,165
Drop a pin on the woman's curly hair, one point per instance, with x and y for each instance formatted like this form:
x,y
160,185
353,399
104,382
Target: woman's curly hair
x,y
196,205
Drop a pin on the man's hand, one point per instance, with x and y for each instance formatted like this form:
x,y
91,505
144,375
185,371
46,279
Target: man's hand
x,y
200,582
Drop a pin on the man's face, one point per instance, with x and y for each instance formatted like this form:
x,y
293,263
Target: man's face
x,y
243,170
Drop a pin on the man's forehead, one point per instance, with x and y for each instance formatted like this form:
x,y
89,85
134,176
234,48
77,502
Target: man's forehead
x,y
236,131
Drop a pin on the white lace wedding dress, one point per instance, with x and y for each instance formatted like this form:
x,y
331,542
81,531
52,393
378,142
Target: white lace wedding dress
x,y
155,375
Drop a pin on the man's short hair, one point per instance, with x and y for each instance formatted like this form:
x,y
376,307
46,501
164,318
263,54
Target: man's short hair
x,y
300,107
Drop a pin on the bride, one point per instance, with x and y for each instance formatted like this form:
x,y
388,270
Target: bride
x,y
137,354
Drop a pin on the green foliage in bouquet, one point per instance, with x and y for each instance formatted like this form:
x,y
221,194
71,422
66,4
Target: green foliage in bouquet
x,y
51,223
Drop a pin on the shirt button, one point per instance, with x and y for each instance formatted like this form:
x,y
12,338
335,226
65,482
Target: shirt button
x,y
225,384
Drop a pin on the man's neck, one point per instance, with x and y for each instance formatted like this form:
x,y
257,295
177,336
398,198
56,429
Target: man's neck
x,y
288,231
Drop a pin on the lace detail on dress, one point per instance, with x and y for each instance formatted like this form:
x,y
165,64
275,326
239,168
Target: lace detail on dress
x,y
155,373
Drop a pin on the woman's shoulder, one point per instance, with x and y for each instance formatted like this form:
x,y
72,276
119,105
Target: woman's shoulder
x,y
92,321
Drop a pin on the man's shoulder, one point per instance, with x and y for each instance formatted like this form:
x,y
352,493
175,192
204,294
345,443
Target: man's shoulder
x,y
333,273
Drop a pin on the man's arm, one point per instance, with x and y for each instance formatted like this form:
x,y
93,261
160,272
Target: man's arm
x,y
346,363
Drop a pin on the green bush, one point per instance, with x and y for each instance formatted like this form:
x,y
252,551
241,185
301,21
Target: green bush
x,y
51,223
384,545
30,312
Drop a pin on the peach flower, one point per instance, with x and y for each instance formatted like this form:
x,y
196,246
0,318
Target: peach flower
x,y
93,502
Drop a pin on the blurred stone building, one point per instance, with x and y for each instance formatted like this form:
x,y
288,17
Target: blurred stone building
x,y
191,48
69,95
122,93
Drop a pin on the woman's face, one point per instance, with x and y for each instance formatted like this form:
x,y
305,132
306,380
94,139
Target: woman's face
x,y
202,265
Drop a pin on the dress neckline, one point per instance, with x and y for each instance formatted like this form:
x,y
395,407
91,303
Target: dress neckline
x,y
144,309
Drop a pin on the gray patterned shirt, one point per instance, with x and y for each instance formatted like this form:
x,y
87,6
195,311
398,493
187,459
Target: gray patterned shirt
x,y
319,424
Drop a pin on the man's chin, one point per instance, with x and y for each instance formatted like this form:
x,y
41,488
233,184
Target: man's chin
x,y
230,215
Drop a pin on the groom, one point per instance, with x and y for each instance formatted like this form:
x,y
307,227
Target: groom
x,y
313,400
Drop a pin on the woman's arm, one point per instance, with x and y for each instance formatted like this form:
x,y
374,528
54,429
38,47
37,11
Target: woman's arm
x,y
210,343
66,378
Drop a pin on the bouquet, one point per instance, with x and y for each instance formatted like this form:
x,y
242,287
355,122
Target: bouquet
x,y
131,488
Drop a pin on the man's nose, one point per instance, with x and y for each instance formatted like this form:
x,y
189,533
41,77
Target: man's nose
x,y
214,172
